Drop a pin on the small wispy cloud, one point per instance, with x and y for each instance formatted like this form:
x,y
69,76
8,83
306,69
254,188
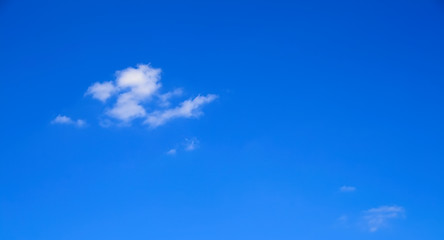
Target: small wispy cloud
x,y
65,120
190,108
191,144
377,218
343,218
172,151
188,144
347,189
134,88
343,221
164,99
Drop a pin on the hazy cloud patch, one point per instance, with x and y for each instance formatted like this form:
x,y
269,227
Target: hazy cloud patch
x,y
65,120
377,218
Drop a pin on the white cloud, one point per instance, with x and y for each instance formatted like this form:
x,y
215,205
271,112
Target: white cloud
x,y
127,108
135,85
134,88
101,91
188,109
141,82
377,218
347,189
61,119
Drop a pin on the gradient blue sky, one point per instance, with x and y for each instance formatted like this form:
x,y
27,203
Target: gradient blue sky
x,y
328,122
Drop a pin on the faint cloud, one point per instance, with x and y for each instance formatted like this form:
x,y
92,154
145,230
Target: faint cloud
x,y
188,109
347,189
343,218
343,221
172,151
377,218
191,144
164,99
134,89
64,120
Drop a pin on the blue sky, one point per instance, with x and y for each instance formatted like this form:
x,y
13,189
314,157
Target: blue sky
x,y
221,120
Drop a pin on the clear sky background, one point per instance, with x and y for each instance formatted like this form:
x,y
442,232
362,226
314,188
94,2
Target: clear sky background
x,y
326,120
